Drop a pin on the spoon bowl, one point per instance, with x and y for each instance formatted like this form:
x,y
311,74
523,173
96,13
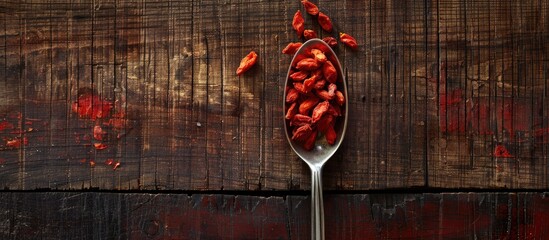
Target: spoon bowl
x,y
322,151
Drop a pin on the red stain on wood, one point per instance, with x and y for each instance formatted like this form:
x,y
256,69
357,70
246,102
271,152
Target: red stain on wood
x,y
91,106
17,142
5,125
501,151
98,133
99,146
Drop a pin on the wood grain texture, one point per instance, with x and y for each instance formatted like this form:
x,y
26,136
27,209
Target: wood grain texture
x,y
434,89
64,215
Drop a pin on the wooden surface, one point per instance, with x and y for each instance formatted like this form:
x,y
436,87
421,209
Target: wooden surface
x,y
435,89
443,96
356,216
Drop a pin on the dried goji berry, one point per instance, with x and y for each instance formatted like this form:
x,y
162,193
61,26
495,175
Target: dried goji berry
x,y
324,95
348,40
99,146
325,22
292,110
334,110
299,76
309,34
291,48
319,55
299,87
310,141
300,120
330,135
319,110
319,84
291,95
329,71
246,63
307,105
310,7
302,133
340,99
308,64
331,41
324,122
332,89
298,23
309,84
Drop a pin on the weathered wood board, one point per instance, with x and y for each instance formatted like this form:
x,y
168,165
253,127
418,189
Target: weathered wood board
x,y
65,215
442,94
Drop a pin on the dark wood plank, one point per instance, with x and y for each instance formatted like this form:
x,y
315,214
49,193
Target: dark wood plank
x,y
491,85
65,215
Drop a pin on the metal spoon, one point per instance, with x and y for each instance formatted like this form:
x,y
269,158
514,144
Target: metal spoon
x,y
322,151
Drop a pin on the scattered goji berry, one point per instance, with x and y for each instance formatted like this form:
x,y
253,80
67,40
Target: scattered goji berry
x,y
246,63
310,7
331,41
325,22
348,40
291,48
309,34
98,133
298,23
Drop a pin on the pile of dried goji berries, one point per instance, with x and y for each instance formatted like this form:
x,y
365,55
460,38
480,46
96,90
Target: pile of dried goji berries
x,y
313,101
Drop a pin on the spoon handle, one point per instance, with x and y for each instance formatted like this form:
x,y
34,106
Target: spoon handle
x,y
317,205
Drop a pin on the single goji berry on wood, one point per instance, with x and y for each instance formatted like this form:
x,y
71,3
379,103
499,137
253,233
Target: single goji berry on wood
x,y
307,105
325,22
291,48
329,71
291,95
309,34
348,40
310,7
298,23
331,41
319,55
246,63
307,64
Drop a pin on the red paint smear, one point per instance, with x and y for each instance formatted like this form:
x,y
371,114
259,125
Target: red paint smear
x,y
98,133
99,146
91,106
16,143
5,125
501,151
